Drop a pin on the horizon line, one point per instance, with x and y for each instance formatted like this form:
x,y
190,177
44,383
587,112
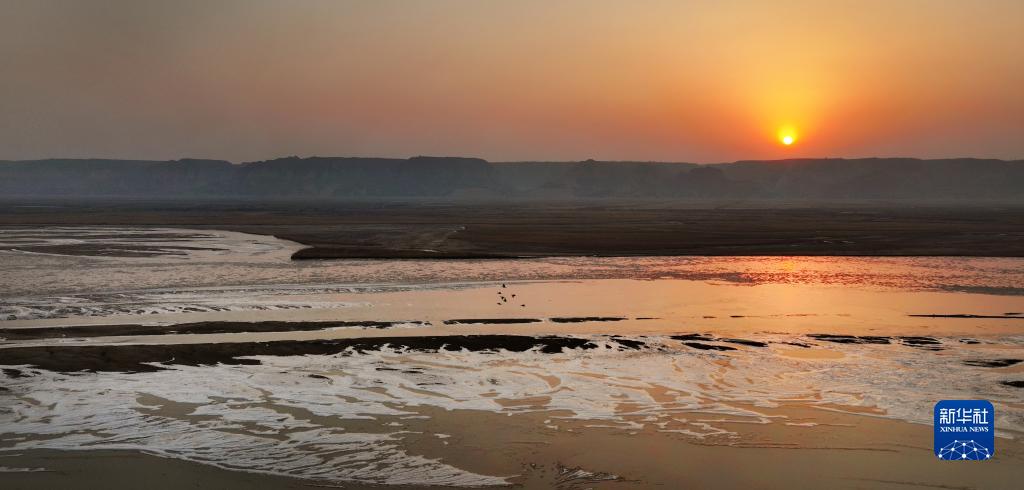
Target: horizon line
x,y
588,160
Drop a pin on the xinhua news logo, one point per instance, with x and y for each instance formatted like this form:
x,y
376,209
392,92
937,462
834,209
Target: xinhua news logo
x,y
964,430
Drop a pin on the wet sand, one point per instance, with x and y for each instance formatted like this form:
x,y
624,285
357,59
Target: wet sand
x,y
853,452
799,443
128,470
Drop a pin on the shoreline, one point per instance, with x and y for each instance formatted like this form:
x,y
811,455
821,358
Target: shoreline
x,y
451,230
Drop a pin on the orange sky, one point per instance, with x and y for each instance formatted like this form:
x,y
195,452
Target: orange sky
x,y
639,80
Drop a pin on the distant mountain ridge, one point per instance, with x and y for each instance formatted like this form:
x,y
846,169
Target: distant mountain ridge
x,y
458,178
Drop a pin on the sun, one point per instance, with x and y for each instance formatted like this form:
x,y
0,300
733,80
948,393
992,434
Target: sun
x,y
787,136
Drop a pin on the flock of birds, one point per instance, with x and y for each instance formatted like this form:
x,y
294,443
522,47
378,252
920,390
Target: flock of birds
x,y
504,299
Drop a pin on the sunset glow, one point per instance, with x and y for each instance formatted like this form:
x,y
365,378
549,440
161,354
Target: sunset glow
x,y
787,136
672,81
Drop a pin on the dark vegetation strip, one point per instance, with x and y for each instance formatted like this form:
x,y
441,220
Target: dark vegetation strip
x,y
708,338
850,339
700,346
968,315
137,358
187,328
925,343
581,319
992,363
490,321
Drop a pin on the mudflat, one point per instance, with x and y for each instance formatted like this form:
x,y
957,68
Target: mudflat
x,y
367,229
821,449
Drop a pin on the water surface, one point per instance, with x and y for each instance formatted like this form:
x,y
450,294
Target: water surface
x,y
689,346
